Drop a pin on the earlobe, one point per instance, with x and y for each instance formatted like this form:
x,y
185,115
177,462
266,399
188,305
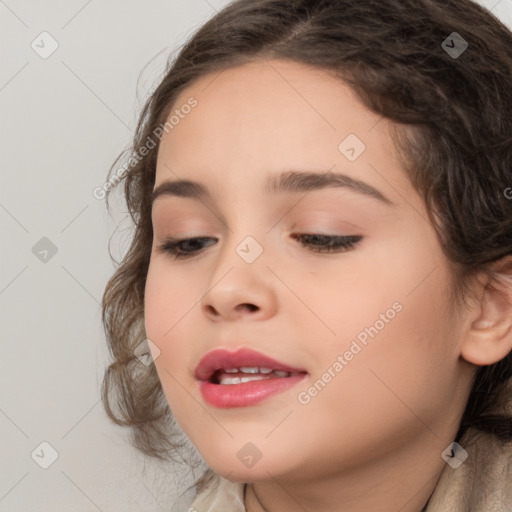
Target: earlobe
x,y
489,338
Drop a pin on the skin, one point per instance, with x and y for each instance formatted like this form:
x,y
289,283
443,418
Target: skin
x,y
372,438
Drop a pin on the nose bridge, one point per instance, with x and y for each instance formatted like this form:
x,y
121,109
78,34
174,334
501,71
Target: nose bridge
x,y
239,277
244,237
239,258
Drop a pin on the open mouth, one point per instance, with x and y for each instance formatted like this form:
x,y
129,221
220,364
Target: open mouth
x,y
242,378
241,375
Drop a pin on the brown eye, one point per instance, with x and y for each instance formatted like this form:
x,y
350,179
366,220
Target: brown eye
x,y
185,248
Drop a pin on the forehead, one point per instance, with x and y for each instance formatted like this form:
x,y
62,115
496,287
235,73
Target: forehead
x,y
267,115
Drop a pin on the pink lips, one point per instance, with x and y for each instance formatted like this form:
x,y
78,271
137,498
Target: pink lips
x,y
246,393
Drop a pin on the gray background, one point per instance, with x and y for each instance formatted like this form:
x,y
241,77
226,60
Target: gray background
x,y
64,120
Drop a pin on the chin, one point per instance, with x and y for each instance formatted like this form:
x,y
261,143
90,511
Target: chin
x,y
237,467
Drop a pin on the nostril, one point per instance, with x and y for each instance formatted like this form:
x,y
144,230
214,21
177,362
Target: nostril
x,y
211,309
250,307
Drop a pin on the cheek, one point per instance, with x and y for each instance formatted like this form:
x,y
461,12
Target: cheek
x,y
165,318
390,315
168,298
398,359
169,303
392,386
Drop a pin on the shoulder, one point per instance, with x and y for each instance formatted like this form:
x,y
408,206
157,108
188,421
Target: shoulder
x,y
483,481
219,495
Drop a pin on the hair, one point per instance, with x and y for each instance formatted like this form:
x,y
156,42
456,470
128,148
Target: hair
x,y
452,129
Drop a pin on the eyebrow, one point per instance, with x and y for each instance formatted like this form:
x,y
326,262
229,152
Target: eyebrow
x,y
289,181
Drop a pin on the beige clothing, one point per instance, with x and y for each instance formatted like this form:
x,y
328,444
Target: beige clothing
x,y
482,483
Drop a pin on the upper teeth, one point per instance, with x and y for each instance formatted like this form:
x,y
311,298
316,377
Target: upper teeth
x,y
248,369
224,379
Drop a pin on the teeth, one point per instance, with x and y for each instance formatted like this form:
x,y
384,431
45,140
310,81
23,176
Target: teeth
x,y
224,379
240,380
230,380
252,369
255,377
249,369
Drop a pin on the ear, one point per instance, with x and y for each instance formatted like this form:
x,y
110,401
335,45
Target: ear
x,y
489,337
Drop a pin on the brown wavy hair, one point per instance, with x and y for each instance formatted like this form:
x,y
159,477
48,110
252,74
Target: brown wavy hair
x,y
453,132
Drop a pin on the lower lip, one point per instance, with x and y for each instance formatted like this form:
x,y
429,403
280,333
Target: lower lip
x,y
247,393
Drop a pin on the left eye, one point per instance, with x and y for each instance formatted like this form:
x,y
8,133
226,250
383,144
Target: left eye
x,y
328,243
188,247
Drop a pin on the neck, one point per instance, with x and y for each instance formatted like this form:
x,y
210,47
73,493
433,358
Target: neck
x,y
403,481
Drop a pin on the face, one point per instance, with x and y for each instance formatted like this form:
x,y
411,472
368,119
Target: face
x,y
367,326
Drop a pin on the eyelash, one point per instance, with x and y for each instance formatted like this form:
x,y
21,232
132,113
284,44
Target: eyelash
x,y
336,244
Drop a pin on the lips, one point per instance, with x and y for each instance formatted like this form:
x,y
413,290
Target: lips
x,y
243,378
217,360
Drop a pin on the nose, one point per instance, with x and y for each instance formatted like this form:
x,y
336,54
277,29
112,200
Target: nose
x,y
238,290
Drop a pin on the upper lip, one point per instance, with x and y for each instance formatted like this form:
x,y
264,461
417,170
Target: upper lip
x,y
218,359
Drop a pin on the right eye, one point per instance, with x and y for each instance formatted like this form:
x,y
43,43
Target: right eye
x,y
185,248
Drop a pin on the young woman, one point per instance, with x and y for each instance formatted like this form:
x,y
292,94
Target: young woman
x,y
321,266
